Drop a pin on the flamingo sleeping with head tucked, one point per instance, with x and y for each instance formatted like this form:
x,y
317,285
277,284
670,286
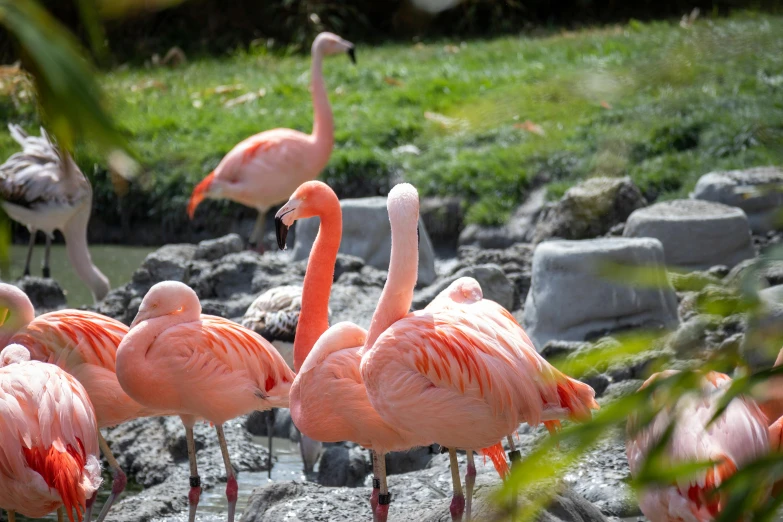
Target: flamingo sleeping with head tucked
x,y
264,169
737,437
49,439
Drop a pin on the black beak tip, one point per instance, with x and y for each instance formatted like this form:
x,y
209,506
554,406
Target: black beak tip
x,y
352,55
281,231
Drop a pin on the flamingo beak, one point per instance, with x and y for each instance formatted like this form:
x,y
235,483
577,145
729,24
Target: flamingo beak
x,y
284,218
199,193
141,315
352,54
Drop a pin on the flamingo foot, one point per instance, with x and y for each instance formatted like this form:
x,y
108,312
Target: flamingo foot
x,y
117,487
470,480
457,507
382,511
231,494
193,496
376,490
88,505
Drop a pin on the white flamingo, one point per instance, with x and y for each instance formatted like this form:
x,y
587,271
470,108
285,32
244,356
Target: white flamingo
x,y
45,190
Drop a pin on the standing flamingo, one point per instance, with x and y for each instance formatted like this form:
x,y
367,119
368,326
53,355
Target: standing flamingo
x,y
44,190
274,315
264,169
462,373
84,344
48,435
201,367
737,437
328,359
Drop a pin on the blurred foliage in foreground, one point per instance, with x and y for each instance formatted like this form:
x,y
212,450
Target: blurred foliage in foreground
x,y
744,492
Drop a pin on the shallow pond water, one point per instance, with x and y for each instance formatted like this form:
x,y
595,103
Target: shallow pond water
x,y
117,262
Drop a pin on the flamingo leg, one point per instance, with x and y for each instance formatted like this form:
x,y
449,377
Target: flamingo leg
x,y
470,480
515,456
458,500
384,497
60,515
11,516
270,429
376,485
118,484
195,480
29,257
231,482
46,272
257,236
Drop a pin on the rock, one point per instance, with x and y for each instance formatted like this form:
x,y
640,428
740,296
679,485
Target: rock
x,y
168,263
213,249
757,191
557,349
598,382
283,425
515,261
768,273
764,334
421,496
519,228
367,234
345,264
345,464
494,284
153,453
443,217
570,300
589,209
45,293
695,234
412,460
692,334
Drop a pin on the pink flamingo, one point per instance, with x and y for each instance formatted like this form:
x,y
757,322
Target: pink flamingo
x,y
330,358
464,374
201,367
49,436
264,169
84,344
737,437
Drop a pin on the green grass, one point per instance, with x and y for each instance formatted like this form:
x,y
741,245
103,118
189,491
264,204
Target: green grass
x,y
677,103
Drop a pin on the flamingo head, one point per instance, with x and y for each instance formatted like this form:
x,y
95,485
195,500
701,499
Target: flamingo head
x,y
309,200
330,43
166,298
13,353
201,191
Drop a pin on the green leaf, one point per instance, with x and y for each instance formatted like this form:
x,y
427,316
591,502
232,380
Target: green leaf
x,y
69,96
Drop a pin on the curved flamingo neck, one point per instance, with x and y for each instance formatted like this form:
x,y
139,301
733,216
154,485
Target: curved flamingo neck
x,y
75,234
323,121
16,312
314,316
397,295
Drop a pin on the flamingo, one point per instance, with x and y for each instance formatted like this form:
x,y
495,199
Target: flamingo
x,y
84,344
201,367
44,190
737,437
464,374
48,435
328,359
274,315
264,169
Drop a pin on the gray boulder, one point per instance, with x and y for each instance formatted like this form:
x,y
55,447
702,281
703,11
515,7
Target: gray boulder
x,y
570,300
519,228
344,464
757,191
46,294
366,234
443,218
212,249
494,284
695,234
589,209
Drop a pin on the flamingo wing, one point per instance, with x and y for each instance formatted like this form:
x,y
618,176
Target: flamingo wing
x,y
69,338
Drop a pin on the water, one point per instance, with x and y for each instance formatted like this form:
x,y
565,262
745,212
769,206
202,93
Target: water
x,y
117,262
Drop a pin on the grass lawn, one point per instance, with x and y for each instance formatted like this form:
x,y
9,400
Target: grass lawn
x,y
660,103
